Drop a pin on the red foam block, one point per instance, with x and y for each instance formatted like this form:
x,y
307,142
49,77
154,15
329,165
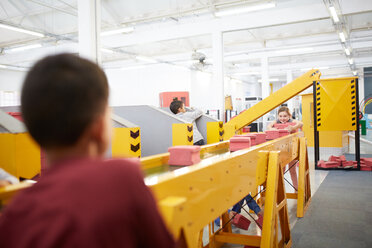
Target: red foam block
x,y
184,155
260,138
272,134
332,164
280,125
241,222
250,135
283,132
239,143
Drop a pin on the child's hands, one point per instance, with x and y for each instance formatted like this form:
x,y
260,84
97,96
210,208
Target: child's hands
x,y
290,128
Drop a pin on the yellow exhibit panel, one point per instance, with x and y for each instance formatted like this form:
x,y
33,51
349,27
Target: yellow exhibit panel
x,y
215,132
336,104
182,134
126,142
19,155
326,138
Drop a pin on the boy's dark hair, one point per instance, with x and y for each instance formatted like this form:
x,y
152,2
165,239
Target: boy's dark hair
x,y
175,106
61,97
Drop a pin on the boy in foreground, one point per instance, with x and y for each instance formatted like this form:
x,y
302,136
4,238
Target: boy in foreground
x,y
83,200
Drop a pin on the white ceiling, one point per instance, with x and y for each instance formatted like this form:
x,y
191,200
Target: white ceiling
x,y
295,35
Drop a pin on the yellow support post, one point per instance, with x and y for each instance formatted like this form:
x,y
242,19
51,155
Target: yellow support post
x,y
182,134
215,132
126,142
275,207
304,189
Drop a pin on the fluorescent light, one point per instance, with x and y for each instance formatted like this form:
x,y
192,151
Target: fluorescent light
x,y
21,30
146,59
270,80
132,67
22,48
3,66
334,14
118,31
247,73
105,50
295,50
319,68
250,8
355,73
351,61
347,51
342,36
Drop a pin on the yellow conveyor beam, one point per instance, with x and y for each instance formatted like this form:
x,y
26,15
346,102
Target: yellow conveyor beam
x,y
271,102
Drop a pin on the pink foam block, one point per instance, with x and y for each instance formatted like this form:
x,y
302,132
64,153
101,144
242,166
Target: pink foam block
x,y
260,138
272,134
321,164
241,222
342,157
184,155
239,143
368,161
250,135
332,164
347,163
280,125
246,129
333,158
365,168
283,132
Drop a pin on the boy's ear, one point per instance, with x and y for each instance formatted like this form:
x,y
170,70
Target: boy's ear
x,y
100,131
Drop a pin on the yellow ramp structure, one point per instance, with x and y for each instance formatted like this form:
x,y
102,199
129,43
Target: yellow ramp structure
x,y
269,103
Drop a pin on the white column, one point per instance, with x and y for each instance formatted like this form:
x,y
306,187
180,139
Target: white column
x,y
265,77
218,72
265,85
290,101
89,15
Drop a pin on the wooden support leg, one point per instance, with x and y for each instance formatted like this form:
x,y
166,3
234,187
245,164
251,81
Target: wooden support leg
x,y
276,204
304,190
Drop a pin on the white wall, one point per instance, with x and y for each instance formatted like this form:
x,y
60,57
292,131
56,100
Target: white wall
x,y
142,86
11,80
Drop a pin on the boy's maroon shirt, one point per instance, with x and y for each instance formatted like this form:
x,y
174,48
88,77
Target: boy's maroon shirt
x,y
85,203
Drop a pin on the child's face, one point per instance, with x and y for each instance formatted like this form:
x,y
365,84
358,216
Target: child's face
x,y
182,109
283,117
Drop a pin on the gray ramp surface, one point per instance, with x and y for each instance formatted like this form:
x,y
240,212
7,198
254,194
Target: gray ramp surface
x,y
155,125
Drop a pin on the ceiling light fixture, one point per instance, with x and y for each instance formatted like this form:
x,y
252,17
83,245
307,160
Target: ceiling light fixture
x,y
355,73
246,73
351,61
334,14
23,48
295,50
21,30
3,66
146,59
347,51
105,50
118,31
250,8
270,80
342,36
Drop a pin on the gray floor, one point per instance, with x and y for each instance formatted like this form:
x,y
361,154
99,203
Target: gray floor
x,y
340,214
346,204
